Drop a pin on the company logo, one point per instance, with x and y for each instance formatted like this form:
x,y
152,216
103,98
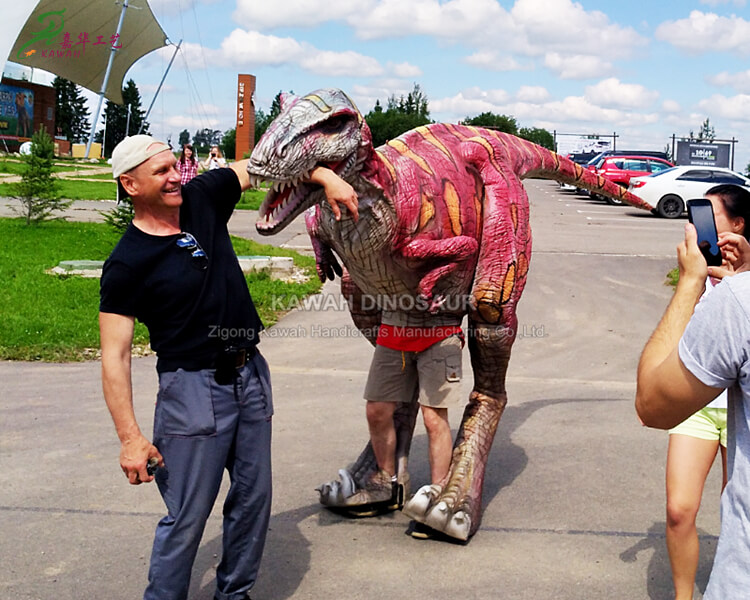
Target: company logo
x,y
68,48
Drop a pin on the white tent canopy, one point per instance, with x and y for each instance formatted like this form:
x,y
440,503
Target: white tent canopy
x,y
81,55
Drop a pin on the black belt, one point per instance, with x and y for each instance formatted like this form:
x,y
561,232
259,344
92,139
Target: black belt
x,y
231,359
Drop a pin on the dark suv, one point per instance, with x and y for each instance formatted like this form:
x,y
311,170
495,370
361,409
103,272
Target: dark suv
x,y
620,168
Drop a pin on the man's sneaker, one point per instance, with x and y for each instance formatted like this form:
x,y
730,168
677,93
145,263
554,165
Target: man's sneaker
x,y
420,531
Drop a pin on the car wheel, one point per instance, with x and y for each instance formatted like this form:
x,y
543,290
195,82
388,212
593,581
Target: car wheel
x,y
615,201
670,206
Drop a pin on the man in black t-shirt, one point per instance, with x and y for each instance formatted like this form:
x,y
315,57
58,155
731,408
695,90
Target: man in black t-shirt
x,y
175,270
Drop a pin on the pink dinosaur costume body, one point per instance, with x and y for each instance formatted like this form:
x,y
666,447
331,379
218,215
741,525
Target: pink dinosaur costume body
x,y
443,231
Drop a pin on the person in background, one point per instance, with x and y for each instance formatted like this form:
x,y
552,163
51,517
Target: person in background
x,y
694,443
214,160
187,165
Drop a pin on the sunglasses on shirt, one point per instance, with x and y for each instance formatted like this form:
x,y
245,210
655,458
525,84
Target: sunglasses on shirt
x,y
199,257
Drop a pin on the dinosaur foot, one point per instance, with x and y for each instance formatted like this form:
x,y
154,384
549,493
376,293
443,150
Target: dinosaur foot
x,y
426,507
378,496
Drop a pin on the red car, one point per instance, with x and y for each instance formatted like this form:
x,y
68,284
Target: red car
x,y
620,169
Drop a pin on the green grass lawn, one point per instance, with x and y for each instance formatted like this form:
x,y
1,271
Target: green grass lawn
x,y
76,190
252,199
54,318
16,167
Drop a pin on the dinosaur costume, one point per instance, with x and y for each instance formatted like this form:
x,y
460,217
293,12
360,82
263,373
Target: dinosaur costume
x,y
443,230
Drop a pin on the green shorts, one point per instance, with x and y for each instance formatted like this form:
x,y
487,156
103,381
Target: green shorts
x,y
395,376
706,424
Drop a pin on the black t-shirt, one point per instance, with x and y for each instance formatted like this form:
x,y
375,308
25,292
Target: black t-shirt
x,y
192,309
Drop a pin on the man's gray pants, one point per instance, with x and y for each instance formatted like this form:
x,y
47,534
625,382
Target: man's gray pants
x,y
201,428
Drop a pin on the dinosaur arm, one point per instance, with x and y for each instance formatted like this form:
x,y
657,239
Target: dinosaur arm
x,y
455,250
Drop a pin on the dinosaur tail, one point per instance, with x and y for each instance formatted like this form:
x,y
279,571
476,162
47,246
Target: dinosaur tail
x,y
537,161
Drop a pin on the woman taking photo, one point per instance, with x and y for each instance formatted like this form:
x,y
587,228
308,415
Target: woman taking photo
x,y
214,160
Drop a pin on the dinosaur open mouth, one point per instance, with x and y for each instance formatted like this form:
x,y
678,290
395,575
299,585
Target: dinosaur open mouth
x,y
283,202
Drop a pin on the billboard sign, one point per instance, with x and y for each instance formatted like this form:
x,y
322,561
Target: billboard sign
x,y
16,112
706,154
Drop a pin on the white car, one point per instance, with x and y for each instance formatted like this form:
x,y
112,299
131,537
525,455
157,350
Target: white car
x,y
668,190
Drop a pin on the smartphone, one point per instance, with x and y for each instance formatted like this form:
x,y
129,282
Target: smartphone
x,y
701,214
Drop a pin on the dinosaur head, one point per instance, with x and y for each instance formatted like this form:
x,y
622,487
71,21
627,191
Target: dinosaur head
x,y
321,128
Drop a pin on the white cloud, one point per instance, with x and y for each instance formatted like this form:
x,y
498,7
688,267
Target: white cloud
x,y
493,61
404,70
613,93
738,81
253,49
296,13
564,26
577,66
734,107
532,93
454,19
739,3
706,32
671,106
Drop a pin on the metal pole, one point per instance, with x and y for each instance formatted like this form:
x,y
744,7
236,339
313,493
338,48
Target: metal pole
x,y
106,78
104,134
127,123
148,112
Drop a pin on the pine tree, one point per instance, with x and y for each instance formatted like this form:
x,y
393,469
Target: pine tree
x,y
184,137
38,189
117,118
71,113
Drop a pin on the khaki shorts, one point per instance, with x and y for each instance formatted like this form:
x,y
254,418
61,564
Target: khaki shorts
x,y
395,376
706,424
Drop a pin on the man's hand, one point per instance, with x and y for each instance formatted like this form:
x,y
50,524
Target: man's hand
x,y
337,191
735,250
134,456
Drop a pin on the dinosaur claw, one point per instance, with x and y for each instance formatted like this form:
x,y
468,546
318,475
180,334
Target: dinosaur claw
x,y
459,526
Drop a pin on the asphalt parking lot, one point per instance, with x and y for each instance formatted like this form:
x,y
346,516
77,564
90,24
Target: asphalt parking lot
x,y
574,490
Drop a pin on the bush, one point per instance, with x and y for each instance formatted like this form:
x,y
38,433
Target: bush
x,y
38,189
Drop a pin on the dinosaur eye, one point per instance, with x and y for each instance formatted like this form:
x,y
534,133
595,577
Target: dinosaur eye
x,y
334,124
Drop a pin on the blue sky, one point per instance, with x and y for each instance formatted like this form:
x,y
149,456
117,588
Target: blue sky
x,y
643,69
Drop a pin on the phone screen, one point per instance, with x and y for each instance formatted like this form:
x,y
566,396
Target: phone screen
x,y
701,214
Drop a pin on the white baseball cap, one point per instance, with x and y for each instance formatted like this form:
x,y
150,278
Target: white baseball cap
x,y
134,150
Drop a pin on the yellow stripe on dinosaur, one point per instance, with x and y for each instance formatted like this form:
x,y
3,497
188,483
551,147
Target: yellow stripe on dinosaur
x,y
508,283
429,137
319,103
387,164
404,150
427,212
452,202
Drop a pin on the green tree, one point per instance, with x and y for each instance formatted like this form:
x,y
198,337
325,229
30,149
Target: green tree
x,y
263,120
401,114
228,143
184,137
205,138
71,113
539,136
504,123
117,118
707,133
38,189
